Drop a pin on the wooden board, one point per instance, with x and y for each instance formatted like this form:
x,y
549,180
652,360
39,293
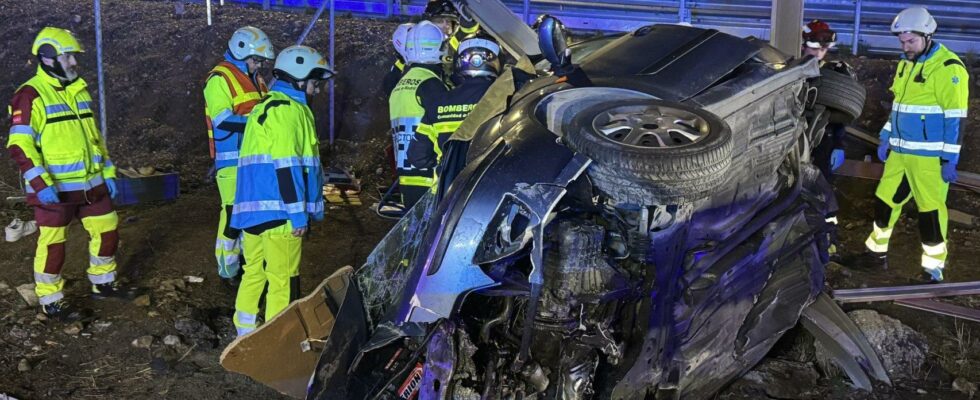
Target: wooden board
x,y
283,352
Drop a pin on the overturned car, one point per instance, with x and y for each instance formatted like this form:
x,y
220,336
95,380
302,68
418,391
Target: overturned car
x,y
642,223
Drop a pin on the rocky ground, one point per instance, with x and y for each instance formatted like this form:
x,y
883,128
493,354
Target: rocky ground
x,y
166,345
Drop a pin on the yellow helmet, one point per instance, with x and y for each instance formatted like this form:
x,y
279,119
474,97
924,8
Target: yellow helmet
x,y
61,40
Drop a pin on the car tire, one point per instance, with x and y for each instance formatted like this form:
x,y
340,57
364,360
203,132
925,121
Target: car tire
x,y
650,151
843,95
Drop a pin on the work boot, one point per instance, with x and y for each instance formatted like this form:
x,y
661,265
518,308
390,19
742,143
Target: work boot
x,y
930,276
232,283
62,311
115,290
869,260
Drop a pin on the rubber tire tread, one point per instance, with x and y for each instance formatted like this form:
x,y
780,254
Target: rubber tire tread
x,y
645,175
842,94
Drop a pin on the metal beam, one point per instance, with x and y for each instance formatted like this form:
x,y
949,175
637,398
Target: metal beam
x,y
938,307
925,291
787,15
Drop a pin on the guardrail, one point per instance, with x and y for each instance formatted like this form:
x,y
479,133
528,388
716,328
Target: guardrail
x,y
862,25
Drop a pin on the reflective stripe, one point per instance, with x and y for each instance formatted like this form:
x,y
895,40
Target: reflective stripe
x,y
881,233
951,148
226,155
916,109
242,331
831,220
221,117
294,208
958,113
875,247
96,158
41,277
296,161
255,159
936,250
231,260
225,244
57,108
910,145
51,298
34,173
314,208
84,105
244,318
887,127
98,261
23,130
102,279
66,168
251,206
108,162
71,186
931,263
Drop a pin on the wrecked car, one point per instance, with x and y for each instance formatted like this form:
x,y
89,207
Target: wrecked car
x,y
642,222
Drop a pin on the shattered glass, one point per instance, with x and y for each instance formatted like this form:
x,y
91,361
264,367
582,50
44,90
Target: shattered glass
x,y
383,277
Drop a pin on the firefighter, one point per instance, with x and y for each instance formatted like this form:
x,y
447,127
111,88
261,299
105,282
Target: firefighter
x,y
455,25
920,143
280,184
232,89
421,85
398,39
828,156
67,171
477,65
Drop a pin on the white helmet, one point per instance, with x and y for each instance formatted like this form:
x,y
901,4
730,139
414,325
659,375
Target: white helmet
x,y
250,41
914,19
400,37
425,44
301,63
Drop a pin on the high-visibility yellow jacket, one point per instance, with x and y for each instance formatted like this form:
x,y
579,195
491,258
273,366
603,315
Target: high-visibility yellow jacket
x,y
229,96
931,97
279,172
54,139
420,85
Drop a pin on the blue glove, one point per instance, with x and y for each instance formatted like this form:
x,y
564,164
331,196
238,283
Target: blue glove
x,y
111,184
836,159
48,195
883,151
949,172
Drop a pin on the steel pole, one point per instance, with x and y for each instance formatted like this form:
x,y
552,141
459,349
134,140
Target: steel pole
x,y
316,16
333,60
856,39
527,11
98,55
209,12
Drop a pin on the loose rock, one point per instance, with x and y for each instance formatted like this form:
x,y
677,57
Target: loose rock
x,y
964,386
100,326
782,379
41,317
27,293
19,333
142,301
902,350
172,340
143,342
23,365
74,328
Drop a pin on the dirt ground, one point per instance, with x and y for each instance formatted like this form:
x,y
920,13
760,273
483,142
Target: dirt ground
x,y
156,59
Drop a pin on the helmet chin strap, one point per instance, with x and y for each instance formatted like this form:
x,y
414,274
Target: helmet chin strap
x,y
56,70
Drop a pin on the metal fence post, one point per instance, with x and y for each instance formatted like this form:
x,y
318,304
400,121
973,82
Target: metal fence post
x,y
334,61
856,37
785,26
98,55
527,11
683,12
